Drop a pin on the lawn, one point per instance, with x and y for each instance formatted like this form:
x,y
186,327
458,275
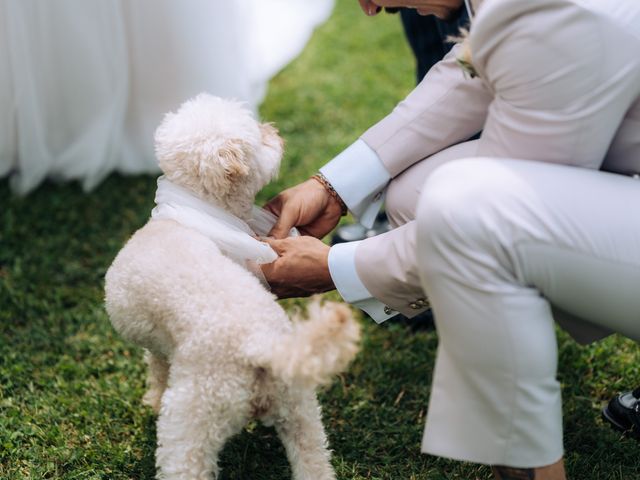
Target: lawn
x,y
70,389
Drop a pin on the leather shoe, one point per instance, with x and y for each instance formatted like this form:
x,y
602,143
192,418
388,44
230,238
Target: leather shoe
x,y
623,413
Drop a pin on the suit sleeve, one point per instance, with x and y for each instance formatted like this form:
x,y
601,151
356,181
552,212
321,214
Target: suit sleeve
x,y
446,108
386,264
347,281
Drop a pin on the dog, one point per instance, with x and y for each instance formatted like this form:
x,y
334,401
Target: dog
x,y
186,287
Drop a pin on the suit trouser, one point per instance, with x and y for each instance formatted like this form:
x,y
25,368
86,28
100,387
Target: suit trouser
x,y
503,246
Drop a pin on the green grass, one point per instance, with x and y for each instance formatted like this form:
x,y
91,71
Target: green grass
x,y
70,389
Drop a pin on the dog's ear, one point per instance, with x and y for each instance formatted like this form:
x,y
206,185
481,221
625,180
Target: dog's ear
x,y
271,137
219,169
271,154
234,159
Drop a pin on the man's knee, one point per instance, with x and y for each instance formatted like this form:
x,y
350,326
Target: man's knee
x,y
468,208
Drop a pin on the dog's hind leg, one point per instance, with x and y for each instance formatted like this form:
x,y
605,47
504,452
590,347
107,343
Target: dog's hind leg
x,y
200,410
157,376
300,428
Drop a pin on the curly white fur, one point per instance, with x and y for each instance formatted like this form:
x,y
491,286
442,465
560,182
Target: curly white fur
x,y
220,348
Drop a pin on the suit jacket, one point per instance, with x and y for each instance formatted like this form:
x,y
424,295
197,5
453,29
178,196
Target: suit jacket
x,y
549,88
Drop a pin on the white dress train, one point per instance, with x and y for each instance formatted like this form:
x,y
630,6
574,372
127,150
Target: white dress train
x,y
83,84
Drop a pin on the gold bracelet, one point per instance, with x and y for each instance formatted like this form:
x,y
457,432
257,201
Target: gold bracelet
x,y
319,177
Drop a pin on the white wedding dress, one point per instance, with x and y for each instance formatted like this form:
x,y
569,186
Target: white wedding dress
x,y
83,84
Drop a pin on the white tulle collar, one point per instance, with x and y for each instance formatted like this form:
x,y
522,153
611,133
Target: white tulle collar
x,y
232,235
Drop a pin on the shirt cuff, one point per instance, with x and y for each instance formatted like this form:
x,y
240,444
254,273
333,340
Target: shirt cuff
x,y
342,267
358,175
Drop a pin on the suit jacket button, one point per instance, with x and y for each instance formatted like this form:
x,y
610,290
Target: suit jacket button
x,y
388,310
422,302
415,306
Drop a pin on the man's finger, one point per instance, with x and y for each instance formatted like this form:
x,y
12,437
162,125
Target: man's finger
x,y
274,243
286,221
309,232
274,205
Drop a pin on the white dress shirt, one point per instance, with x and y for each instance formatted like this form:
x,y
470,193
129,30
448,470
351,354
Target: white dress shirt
x,y
363,195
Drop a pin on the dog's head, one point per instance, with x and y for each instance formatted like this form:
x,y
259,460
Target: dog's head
x,y
216,149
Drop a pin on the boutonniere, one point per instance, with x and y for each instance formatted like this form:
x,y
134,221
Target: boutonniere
x,y
464,55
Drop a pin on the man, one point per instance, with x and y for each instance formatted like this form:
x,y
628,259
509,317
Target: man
x,y
504,241
429,38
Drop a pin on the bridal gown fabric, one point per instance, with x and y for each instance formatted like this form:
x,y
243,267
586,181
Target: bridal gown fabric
x,y
83,85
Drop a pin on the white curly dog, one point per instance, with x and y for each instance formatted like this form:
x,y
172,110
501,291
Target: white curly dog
x,y
221,351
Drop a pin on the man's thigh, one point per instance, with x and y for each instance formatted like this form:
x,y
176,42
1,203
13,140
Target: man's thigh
x,y
405,189
569,233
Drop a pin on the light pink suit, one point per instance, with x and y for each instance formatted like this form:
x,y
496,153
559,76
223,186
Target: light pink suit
x,y
520,228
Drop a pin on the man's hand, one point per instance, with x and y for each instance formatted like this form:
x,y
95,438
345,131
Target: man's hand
x,y
301,269
308,206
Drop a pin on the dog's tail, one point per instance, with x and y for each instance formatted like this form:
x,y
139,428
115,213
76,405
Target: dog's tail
x,y
317,348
